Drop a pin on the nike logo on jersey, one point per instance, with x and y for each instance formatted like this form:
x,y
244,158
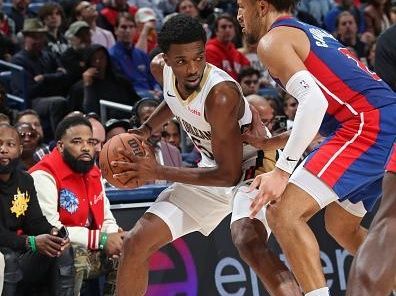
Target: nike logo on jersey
x,y
170,95
289,159
304,84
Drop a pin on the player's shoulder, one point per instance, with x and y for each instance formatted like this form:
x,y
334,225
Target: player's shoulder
x,y
280,40
226,87
223,96
280,37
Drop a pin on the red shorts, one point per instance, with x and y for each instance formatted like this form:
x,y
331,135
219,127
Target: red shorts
x,y
352,160
391,165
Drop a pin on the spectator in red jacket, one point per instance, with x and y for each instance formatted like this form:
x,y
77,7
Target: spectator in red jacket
x,y
71,194
221,51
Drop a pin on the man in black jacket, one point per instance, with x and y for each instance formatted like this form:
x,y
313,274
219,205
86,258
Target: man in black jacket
x,y
46,81
32,249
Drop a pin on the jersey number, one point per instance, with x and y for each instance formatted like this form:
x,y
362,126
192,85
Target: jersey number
x,y
359,63
206,152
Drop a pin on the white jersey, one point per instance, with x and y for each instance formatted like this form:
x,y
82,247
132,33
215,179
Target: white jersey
x,y
191,113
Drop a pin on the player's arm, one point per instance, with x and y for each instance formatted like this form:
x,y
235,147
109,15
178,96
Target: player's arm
x,y
157,119
273,143
226,142
294,44
226,146
157,68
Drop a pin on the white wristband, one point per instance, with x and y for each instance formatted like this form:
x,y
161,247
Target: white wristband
x,y
285,163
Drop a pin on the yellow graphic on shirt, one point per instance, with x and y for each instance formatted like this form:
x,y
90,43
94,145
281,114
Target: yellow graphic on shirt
x,y
20,203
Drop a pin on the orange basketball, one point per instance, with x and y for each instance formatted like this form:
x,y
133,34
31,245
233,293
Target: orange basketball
x,y
131,145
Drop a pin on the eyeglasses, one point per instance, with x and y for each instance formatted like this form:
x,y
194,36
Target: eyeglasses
x,y
249,82
28,134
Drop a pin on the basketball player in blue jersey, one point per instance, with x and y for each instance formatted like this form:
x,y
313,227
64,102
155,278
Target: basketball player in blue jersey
x,y
212,110
348,104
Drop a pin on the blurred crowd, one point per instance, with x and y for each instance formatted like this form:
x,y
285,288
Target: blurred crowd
x,y
76,53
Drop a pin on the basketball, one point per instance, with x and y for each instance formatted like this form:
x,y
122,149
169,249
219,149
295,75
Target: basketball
x,y
131,145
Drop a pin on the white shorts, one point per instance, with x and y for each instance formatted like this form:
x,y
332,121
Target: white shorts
x,y
188,208
321,192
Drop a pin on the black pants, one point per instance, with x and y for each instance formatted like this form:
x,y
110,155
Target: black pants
x,y
24,271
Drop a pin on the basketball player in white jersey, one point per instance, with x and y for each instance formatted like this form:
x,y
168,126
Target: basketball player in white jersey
x,y
212,110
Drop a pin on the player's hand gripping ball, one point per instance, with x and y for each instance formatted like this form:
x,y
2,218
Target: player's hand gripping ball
x,y
131,145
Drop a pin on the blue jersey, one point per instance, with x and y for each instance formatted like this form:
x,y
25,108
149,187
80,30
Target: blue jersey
x,y
360,120
348,85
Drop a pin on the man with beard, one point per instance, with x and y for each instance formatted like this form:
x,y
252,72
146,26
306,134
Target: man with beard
x,y
71,194
33,253
347,34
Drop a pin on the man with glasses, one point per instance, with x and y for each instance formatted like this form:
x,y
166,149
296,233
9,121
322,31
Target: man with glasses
x,y
31,117
30,141
71,194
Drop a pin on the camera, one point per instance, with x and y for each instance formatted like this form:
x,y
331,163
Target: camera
x,y
280,124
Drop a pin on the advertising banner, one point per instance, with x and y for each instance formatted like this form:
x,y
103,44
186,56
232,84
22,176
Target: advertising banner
x,y
196,265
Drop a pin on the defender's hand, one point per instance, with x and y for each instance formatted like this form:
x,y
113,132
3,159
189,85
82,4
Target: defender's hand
x,y
271,186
